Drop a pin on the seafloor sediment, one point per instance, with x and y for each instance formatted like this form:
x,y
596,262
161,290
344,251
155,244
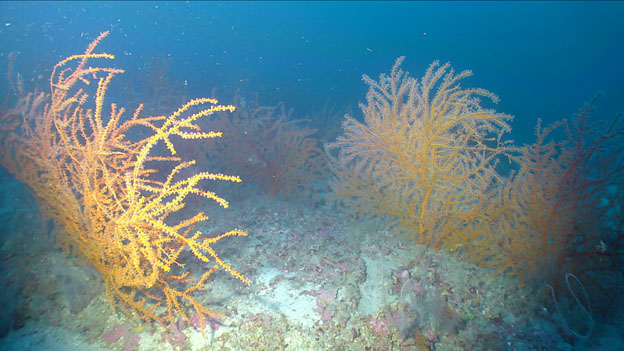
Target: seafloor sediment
x,y
320,281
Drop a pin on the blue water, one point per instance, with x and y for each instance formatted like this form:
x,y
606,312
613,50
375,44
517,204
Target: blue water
x,y
543,59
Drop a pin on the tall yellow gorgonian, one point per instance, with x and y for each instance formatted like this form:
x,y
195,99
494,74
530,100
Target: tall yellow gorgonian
x,y
116,188
423,158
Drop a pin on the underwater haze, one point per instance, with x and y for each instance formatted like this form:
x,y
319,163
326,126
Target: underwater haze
x,y
543,59
396,175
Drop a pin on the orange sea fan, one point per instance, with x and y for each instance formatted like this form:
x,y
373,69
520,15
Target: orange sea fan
x,y
423,158
114,207
263,144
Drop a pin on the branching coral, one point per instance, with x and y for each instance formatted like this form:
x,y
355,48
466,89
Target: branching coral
x,y
103,184
423,158
161,90
266,146
559,216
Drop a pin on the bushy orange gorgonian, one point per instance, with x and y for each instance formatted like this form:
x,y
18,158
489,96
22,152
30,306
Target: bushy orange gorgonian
x,y
423,158
264,145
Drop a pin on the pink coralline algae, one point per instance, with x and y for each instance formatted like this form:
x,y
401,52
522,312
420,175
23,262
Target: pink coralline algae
x,y
131,340
327,316
174,335
325,296
380,327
